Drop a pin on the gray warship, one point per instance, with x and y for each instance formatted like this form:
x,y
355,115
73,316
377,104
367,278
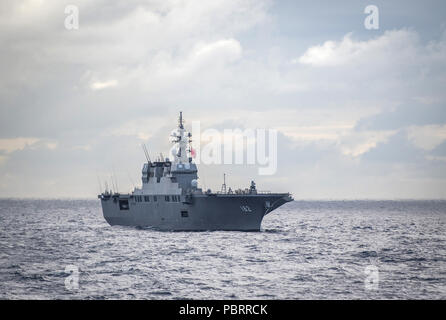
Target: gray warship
x,y
170,199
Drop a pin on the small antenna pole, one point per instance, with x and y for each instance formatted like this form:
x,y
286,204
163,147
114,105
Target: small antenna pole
x,y
147,153
131,180
100,185
113,182
181,120
223,186
116,179
144,148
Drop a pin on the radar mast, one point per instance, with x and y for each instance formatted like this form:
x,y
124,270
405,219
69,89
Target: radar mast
x,y
182,140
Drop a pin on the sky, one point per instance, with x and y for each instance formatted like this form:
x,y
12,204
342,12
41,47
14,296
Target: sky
x,y
360,113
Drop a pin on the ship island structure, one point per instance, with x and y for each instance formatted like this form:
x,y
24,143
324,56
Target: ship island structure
x,y
170,199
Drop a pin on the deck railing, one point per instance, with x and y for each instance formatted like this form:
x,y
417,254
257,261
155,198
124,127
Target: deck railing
x,y
244,192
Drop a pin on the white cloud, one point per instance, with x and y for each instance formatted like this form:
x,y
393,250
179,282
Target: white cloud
x,y
52,145
342,137
316,133
216,52
436,158
144,127
166,70
357,143
390,45
97,85
11,145
427,137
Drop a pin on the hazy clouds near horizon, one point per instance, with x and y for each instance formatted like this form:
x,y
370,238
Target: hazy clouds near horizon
x,y
360,113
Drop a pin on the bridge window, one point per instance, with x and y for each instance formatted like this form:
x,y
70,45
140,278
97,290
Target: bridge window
x,y
184,214
146,198
155,198
167,198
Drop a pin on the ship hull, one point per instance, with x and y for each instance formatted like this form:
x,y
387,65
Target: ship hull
x,y
197,213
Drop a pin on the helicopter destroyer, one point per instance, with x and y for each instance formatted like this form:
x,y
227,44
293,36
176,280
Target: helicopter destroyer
x,y
170,199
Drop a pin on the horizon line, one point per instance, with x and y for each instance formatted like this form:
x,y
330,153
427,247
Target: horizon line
x,y
295,200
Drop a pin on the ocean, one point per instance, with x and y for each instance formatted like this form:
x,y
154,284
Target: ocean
x,y
64,249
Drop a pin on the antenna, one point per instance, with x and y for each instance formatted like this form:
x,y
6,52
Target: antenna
x,y
116,179
99,182
223,186
113,183
131,180
180,121
146,152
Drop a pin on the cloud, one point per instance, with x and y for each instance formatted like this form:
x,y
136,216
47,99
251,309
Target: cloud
x,y
404,115
358,143
397,149
427,137
103,85
11,145
218,51
439,150
348,105
350,52
397,65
